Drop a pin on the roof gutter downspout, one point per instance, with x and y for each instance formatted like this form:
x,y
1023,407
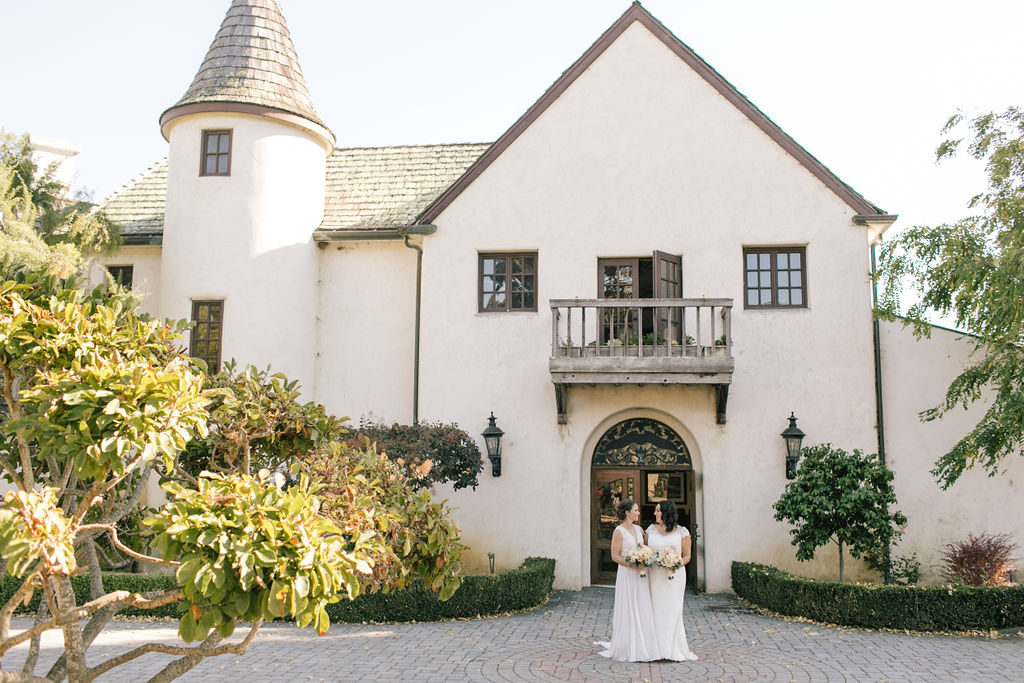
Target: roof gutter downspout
x,y
416,333
879,411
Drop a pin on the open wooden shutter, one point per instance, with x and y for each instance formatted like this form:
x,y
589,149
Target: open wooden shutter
x,y
668,284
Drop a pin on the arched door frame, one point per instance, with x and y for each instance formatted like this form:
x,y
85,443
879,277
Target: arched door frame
x,y
696,459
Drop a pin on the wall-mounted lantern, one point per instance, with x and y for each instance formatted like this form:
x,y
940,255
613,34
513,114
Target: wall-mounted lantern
x,y
793,437
492,439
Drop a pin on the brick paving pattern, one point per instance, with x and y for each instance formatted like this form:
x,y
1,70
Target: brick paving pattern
x,y
555,643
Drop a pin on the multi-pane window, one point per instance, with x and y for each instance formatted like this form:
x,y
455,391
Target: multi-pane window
x,y
207,333
775,277
121,275
508,282
216,155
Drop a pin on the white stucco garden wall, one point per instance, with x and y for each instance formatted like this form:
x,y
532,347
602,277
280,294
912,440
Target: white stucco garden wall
x,y
640,154
247,238
916,374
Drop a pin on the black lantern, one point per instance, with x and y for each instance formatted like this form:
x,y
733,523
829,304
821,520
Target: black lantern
x,y
492,439
793,437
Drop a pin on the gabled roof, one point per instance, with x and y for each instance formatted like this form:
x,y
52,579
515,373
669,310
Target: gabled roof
x,y
636,13
368,188
251,61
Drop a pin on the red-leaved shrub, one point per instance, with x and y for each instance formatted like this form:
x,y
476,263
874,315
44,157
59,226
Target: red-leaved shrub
x,y
983,560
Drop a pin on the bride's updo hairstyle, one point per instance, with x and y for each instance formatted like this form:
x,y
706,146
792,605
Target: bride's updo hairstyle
x,y
624,507
669,515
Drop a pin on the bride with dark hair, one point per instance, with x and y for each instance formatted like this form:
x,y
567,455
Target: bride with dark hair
x,y
668,586
633,637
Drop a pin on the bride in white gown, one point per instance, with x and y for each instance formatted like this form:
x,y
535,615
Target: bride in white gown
x,y
667,593
633,637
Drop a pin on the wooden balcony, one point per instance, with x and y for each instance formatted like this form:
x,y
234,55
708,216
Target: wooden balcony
x,y
641,341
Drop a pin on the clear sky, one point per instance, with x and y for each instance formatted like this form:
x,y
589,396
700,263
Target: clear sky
x,y
865,86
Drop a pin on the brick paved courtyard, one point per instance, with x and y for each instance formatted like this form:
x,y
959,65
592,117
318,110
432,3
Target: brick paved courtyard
x,y
555,643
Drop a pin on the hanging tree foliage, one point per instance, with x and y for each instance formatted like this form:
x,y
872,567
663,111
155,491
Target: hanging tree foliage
x,y
973,271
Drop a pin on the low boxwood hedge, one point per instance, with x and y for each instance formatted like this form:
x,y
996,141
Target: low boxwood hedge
x,y
479,595
918,608
112,581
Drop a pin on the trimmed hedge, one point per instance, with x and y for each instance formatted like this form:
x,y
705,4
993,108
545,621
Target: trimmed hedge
x,y
112,581
917,608
479,595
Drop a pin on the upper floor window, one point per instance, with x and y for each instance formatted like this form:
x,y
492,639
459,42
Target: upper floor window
x,y
775,277
121,275
216,155
508,282
207,333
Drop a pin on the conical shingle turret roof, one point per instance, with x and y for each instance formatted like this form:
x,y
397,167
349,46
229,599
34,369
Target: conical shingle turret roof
x,y
252,61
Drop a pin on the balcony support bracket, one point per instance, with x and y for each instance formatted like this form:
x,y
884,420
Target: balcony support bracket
x,y
562,402
721,399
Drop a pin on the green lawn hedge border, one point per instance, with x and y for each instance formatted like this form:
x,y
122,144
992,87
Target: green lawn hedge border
x,y
479,595
917,608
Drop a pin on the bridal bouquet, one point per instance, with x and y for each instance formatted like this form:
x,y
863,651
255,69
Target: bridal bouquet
x,y
670,559
640,557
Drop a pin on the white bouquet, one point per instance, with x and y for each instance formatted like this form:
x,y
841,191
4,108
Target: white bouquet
x,y
640,557
670,559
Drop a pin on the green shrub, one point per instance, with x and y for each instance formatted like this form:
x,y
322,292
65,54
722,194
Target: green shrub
x,y
431,452
919,608
479,595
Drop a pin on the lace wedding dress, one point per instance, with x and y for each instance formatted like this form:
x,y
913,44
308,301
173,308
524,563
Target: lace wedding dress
x,y
633,637
667,597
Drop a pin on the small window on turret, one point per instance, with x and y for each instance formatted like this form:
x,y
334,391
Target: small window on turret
x,y
216,154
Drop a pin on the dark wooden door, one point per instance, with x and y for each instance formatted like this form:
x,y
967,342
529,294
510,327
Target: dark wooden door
x,y
646,487
608,488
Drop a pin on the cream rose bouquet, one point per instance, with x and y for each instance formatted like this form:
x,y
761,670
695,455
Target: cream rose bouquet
x,y
670,559
640,557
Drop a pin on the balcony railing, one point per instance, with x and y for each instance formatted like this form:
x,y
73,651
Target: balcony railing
x,y
641,341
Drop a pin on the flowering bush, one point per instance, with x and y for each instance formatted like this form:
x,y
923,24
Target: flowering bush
x,y
641,557
670,559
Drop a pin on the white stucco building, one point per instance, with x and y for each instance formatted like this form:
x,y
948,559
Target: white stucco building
x,y
642,279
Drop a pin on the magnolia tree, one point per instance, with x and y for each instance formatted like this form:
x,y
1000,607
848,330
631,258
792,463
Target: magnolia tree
x,y
97,399
842,498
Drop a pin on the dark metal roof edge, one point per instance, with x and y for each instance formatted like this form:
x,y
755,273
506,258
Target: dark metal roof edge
x,y
637,12
321,236
862,219
142,239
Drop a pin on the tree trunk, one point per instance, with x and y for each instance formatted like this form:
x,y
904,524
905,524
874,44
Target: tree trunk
x,y
840,561
74,648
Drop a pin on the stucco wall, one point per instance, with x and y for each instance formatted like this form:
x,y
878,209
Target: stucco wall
x,y
247,238
145,262
365,332
640,154
916,375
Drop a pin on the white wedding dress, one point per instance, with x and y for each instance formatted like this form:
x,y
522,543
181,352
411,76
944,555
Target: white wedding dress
x,y
667,597
633,637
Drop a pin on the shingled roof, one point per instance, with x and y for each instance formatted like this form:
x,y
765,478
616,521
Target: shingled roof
x,y
138,207
368,188
252,61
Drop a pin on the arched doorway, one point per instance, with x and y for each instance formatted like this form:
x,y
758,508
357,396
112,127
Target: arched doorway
x,y
646,460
